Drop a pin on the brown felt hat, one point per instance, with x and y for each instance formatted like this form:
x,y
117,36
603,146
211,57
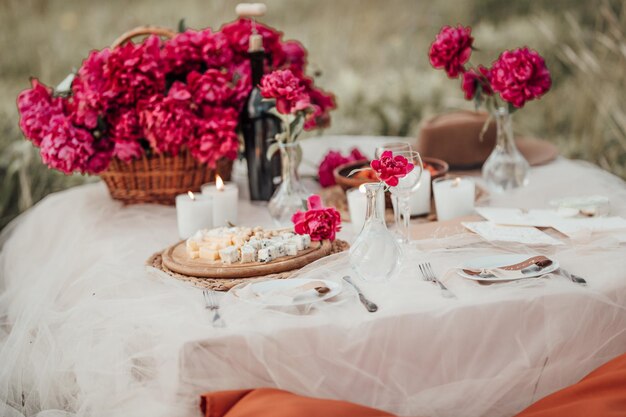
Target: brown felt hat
x,y
455,138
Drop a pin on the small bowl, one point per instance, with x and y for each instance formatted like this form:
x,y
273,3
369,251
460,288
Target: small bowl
x,y
342,171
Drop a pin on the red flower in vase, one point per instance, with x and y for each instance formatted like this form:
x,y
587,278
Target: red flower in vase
x,y
520,75
318,221
471,80
287,89
451,49
391,168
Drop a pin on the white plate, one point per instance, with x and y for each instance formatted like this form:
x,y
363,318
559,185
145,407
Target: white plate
x,y
268,292
496,261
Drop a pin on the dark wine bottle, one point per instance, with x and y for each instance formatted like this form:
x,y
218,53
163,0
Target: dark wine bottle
x,y
259,128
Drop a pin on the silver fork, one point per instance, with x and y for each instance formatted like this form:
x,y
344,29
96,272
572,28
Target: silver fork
x,y
429,275
212,303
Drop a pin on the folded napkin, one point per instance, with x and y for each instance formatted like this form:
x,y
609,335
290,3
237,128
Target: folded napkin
x,y
269,402
510,271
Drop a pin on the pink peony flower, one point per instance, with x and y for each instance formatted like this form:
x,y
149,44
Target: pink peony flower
x,y
215,136
195,51
391,168
135,72
213,88
217,51
295,56
319,222
471,80
125,131
287,89
36,107
331,161
168,122
520,75
183,53
68,148
322,103
242,79
451,49
88,87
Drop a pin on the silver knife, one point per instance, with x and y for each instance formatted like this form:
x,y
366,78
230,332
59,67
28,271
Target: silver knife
x,y
574,278
370,306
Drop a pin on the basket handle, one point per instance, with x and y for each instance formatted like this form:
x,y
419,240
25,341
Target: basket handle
x,y
142,30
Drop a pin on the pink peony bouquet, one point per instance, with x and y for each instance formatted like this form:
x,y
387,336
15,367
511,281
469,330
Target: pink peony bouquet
x,y
162,96
517,76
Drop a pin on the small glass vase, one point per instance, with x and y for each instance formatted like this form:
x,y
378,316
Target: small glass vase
x,y
291,195
375,255
506,168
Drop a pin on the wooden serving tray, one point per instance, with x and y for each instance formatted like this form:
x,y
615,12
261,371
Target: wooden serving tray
x,y
176,259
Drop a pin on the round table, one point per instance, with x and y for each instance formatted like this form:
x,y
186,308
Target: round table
x,y
88,328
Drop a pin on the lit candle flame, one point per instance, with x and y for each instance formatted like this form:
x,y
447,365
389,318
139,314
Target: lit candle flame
x,y
362,189
219,183
456,182
191,195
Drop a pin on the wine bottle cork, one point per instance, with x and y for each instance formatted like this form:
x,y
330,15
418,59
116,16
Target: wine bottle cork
x,y
250,9
255,43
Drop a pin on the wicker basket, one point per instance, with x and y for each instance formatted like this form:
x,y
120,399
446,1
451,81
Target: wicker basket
x,y
158,178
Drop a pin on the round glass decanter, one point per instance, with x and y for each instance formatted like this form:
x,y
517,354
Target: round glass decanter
x,y
291,195
375,255
506,168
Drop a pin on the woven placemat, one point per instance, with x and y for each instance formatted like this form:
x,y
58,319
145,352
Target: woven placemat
x,y
225,284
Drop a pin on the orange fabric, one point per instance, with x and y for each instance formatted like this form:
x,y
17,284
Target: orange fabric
x,y
602,393
269,402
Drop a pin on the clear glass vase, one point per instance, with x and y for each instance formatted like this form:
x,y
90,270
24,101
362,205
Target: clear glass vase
x,y
291,195
375,255
506,168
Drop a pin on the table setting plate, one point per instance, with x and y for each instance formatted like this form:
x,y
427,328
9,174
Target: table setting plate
x,y
176,259
498,261
268,293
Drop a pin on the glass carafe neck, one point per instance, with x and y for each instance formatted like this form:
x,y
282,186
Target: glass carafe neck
x,y
289,157
504,126
372,194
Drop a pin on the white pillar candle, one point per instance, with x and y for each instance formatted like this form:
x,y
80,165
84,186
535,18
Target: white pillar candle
x,y
193,212
225,198
357,206
454,197
420,198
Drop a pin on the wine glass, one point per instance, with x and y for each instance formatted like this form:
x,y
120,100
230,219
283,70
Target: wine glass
x,y
394,147
406,185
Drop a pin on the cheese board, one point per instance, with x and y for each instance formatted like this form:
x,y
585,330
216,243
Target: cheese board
x,y
177,259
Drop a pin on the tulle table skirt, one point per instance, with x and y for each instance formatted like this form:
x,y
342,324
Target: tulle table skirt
x,y
87,330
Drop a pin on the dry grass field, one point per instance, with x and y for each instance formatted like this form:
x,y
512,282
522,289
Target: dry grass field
x,y
372,54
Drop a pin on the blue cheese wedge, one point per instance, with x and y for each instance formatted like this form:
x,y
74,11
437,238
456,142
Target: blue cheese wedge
x,y
264,255
306,239
248,254
291,249
229,255
298,241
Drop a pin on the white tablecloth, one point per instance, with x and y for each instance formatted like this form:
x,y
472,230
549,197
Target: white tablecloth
x,y
88,329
